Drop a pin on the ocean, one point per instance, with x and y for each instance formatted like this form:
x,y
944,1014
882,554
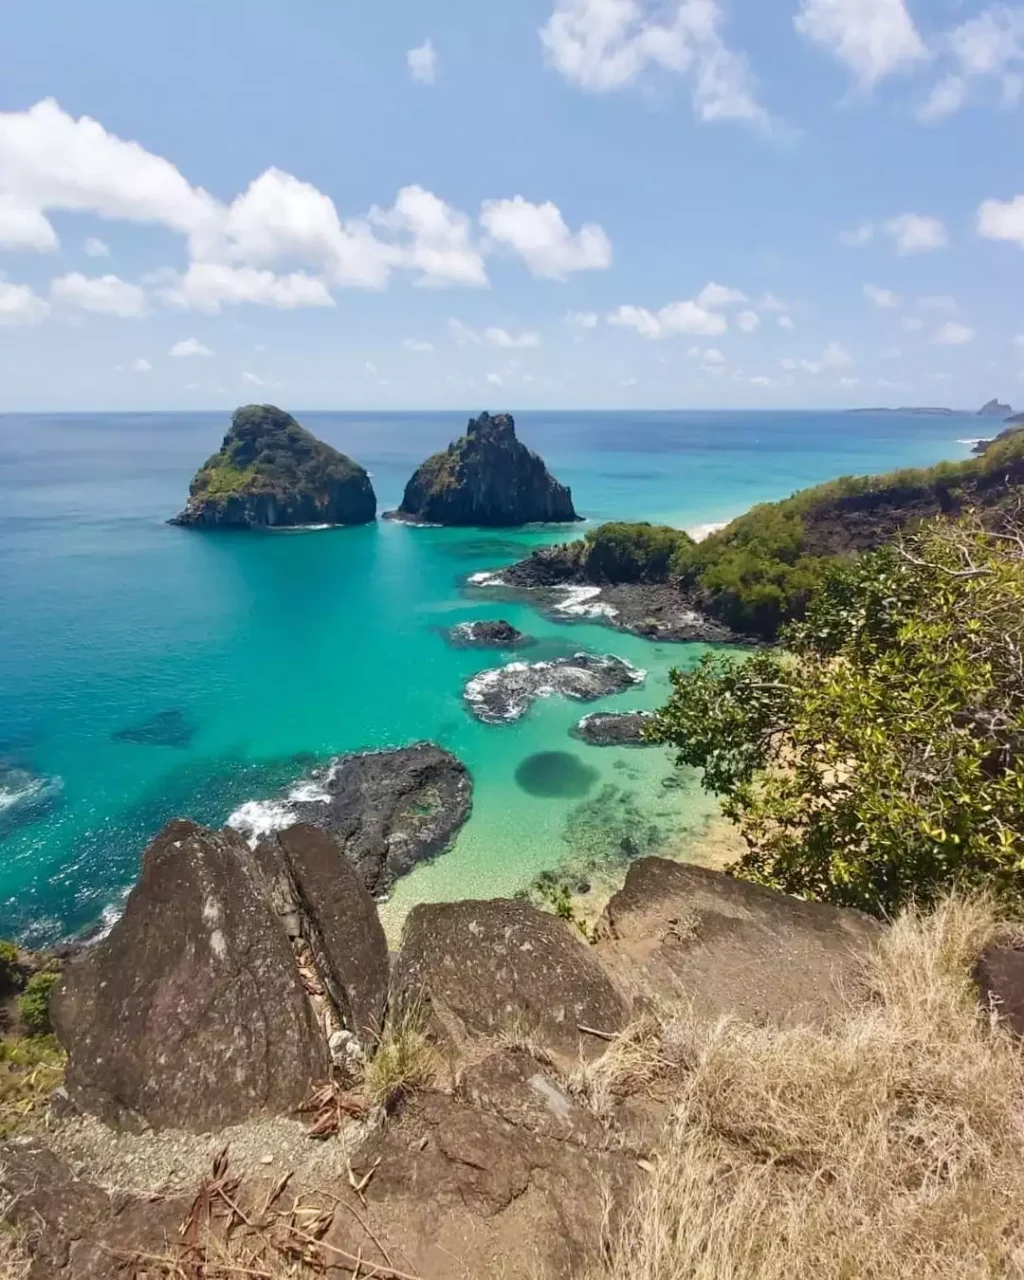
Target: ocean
x,y
148,672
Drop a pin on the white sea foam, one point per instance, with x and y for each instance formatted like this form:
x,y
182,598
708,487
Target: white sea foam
x,y
974,440
19,788
584,602
110,915
489,579
258,818
701,531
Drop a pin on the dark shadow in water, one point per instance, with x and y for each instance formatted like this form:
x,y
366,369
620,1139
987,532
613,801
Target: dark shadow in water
x,y
555,773
493,549
166,729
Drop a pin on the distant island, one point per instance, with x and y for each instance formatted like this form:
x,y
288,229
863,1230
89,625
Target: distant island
x,y
487,477
993,409
271,472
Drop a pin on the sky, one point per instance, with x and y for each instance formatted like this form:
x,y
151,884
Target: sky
x,y
418,204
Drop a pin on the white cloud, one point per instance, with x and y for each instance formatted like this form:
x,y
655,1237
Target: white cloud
x,y
761,381
811,366
769,302
719,295
422,62
24,227
440,241
989,46
205,286
835,356
502,338
417,344
712,356
539,234
190,347
255,380
875,38
786,322
892,353
858,237
748,321
50,160
142,365
952,334
1018,340
581,320
947,97
96,248
881,297
789,364
494,379
1002,220
600,45
105,295
916,233
370,367
677,317
280,217
848,382
463,334
911,324
20,305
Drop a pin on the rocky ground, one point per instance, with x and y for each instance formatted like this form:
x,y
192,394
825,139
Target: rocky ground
x,y
552,579
488,1123
487,635
614,728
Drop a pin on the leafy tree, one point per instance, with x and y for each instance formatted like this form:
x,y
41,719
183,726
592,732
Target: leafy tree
x,y
34,1003
640,552
877,758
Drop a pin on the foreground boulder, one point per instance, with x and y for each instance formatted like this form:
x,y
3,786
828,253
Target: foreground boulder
x,y
191,1013
488,478
615,728
330,918
730,948
487,968
506,693
387,810
272,472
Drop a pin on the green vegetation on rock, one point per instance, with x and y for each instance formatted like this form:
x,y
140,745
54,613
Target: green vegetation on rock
x,y
272,471
877,760
34,1002
640,552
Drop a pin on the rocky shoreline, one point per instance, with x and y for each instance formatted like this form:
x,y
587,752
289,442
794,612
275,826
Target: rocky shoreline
x,y
503,694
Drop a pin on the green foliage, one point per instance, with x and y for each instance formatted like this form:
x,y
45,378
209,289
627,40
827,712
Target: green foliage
x,y
34,1002
9,972
760,571
267,452
879,760
633,552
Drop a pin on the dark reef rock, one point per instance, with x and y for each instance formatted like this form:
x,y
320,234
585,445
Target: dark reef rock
x,y
191,1013
489,967
502,694
487,635
485,478
387,810
1014,426
271,472
166,729
555,773
615,728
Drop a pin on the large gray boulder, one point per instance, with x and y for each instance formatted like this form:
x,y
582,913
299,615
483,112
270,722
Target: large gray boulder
x,y
488,968
191,1013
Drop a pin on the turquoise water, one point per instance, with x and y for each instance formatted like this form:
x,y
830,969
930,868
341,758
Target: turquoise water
x,y
264,652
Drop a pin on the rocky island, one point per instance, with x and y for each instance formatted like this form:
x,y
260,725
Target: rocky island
x,y
273,473
487,478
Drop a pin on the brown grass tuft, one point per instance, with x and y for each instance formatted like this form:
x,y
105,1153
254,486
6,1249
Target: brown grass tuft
x,y
889,1146
405,1060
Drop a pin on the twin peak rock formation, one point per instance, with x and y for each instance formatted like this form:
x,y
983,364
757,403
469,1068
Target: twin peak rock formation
x,y
272,472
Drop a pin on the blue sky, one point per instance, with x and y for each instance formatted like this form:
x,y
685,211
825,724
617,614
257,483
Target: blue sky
x,y
542,203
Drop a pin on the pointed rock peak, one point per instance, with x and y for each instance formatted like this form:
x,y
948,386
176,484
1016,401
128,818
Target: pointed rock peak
x,y
492,427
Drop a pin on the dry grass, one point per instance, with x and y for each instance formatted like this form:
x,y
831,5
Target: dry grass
x,y
633,1063
14,1261
889,1146
405,1060
31,1067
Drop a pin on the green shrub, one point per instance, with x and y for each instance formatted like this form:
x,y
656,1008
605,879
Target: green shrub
x,y
34,1003
881,759
9,973
639,552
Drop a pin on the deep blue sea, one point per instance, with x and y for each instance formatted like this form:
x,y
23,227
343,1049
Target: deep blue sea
x,y
148,671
